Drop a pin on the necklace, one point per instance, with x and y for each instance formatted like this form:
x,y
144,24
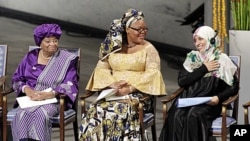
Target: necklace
x,y
44,56
130,46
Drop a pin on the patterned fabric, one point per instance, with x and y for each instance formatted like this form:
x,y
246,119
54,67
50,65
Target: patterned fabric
x,y
111,121
195,58
114,40
34,123
60,74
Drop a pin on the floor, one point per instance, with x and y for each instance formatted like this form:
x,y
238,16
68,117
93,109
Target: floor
x,y
18,36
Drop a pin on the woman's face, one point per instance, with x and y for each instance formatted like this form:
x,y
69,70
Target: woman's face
x,y
136,32
49,44
200,43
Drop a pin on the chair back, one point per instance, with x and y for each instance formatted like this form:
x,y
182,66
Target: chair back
x,y
237,61
3,60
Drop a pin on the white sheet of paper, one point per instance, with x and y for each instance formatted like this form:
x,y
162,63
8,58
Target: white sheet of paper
x,y
110,98
185,102
25,101
105,93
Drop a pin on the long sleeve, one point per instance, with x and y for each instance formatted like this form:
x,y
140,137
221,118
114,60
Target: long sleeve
x,y
229,90
186,78
101,77
22,75
150,81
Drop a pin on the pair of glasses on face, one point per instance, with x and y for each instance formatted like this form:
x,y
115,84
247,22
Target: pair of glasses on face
x,y
140,30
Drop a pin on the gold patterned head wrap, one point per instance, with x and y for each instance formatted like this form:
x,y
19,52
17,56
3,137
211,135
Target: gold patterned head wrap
x,y
114,39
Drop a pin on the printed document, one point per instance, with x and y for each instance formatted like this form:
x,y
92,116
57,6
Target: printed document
x,y
185,102
25,101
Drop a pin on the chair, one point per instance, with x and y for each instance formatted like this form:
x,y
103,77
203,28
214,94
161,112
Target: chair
x,y
229,114
3,60
246,118
59,121
146,119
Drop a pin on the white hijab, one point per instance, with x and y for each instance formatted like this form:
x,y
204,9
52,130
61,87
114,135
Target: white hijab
x,y
195,59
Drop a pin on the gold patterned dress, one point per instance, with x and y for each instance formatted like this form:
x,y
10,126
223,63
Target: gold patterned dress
x,y
118,120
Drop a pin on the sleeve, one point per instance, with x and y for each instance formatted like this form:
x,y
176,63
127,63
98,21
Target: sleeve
x,y
150,81
18,78
229,90
186,78
101,77
70,85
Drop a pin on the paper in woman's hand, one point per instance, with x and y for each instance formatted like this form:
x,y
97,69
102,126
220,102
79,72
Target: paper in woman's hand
x,y
105,93
185,102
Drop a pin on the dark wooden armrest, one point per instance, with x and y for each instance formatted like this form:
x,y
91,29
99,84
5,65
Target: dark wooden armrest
x,y
246,105
144,98
230,100
87,94
7,91
172,96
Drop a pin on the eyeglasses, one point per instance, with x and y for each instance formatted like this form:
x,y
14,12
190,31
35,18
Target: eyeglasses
x,y
140,30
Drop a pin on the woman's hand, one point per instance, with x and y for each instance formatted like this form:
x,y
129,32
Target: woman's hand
x,y
42,96
118,84
123,91
29,92
211,65
214,101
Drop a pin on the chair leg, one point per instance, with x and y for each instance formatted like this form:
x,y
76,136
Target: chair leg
x,y
154,136
62,129
75,126
4,131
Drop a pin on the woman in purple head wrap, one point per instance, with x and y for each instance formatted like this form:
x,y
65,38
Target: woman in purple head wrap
x,y
130,65
42,69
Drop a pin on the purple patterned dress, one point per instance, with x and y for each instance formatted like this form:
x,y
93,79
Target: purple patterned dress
x,y
60,74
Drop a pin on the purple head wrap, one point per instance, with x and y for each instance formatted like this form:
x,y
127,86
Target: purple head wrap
x,y
46,30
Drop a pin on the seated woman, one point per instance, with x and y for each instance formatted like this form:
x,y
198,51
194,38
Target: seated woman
x,y
206,72
130,65
40,69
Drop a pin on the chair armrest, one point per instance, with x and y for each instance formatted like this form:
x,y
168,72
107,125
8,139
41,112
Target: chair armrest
x,y
168,99
230,100
7,91
83,102
246,105
172,96
87,94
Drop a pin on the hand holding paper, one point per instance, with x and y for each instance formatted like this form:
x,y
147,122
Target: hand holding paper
x,y
25,101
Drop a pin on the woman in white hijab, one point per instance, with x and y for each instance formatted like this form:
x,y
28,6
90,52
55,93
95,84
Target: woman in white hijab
x,y
206,72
